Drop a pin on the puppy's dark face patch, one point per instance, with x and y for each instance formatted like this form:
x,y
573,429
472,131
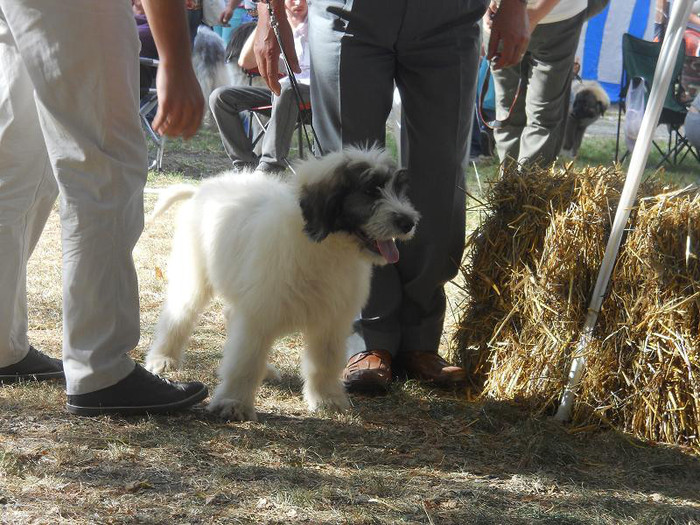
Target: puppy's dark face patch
x,y
363,189
365,200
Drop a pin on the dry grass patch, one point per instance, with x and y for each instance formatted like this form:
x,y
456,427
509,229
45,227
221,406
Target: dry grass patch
x,y
414,456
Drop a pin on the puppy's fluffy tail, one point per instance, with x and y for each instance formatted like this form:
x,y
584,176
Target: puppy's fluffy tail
x,y
170,196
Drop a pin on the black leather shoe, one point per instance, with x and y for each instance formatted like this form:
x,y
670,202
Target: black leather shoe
x,y
138,393
34,367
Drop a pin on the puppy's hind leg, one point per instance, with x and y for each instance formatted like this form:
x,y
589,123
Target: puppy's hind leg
x,y
322,364
242,369
188,292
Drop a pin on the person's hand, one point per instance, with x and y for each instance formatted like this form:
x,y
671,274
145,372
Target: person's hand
x,y
137,7
267,51
227,13
180,101
510,34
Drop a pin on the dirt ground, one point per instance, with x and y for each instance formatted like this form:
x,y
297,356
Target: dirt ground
x,y
415,456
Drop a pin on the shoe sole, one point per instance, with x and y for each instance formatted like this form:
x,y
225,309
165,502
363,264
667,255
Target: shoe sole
x,y
368,389
443,385
139,410
45,376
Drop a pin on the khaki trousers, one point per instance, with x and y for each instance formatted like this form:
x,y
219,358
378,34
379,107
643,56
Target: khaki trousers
x,y
69,125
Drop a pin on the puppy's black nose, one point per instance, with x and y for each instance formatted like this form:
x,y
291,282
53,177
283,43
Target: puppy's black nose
x,y
404,223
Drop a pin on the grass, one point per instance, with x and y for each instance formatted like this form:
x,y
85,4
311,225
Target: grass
x,y
414,456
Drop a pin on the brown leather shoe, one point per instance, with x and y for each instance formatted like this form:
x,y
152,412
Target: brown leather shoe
x,y
368,372
428,366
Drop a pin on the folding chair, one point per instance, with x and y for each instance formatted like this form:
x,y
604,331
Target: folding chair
x,y
303,119
148,103
639,59
258,120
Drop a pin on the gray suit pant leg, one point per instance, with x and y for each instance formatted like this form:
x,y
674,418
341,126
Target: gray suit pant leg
x,y
535,130
358,50
280,129
226,105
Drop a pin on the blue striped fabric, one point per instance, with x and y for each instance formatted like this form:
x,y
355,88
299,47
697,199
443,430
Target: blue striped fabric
x,y
600,47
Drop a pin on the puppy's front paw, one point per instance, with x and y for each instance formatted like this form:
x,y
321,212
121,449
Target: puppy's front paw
x,y
336,401
160,364
232,409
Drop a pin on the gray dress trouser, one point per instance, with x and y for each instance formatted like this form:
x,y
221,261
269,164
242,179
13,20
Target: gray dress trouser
x,y
228,102
69,99
534,132
430,49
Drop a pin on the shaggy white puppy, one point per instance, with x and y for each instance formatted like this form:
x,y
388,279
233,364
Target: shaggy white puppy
x,y
284,256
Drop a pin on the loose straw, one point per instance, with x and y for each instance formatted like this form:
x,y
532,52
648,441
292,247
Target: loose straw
x,y
680,13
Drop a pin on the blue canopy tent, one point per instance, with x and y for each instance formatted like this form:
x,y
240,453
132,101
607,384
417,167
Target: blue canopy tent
x,y
600,47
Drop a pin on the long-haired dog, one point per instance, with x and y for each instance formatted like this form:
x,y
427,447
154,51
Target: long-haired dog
x,y
284,255
589,102
209,61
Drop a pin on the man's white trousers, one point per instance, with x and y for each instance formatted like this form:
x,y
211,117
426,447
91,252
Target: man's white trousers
x,y
69,121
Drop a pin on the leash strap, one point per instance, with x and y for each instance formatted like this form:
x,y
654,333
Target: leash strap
x,y
497,124
274,24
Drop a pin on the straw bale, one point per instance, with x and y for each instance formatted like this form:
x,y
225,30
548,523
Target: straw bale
x,y
529,272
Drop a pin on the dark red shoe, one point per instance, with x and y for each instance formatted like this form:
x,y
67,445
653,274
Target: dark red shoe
x,y
430,367
368,372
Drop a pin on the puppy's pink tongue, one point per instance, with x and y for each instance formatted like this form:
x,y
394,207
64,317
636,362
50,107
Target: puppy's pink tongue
x,y
389,250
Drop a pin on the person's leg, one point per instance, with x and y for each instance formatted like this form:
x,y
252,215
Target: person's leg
x,y
551,52
692,127
352,69
278,137
437,79
509,109
352,83
27,193
86,95
194,19
226,104
86,92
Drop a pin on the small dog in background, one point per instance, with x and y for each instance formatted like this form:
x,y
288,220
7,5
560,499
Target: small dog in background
x,y
216,63
284,255
589,102
209,60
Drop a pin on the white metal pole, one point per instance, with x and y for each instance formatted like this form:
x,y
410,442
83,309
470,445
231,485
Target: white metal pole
x,y
680,13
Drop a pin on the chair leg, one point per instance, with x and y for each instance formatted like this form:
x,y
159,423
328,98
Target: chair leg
x,y
159,154
300,138
617,136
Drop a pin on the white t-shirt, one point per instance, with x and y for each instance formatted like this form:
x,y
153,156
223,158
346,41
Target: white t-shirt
x,y
564,10
301,46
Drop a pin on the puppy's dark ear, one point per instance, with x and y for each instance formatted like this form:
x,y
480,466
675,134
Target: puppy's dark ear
x,y
319,207
601,108
401,181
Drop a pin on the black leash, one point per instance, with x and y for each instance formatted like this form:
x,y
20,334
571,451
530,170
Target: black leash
x,y
274,24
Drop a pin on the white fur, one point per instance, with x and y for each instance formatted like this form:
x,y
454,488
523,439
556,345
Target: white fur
x,y
242,237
